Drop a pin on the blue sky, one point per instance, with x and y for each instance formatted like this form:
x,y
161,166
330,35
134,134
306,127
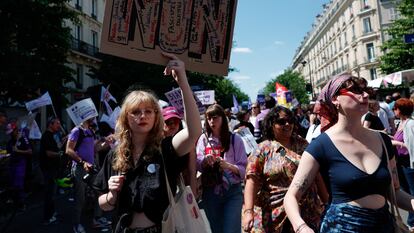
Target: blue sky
x,y
267,34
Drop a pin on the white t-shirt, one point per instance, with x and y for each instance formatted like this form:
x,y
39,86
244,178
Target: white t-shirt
x,y
385,114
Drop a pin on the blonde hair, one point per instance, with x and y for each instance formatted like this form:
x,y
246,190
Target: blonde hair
x,y
123,153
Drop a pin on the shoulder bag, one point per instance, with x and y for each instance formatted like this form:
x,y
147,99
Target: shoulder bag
x,y
399,226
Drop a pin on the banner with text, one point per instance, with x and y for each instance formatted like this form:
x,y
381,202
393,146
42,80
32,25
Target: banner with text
x,y
206,97
199,32
82,111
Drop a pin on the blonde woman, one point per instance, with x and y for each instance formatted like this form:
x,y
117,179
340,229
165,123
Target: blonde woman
x,y
132,177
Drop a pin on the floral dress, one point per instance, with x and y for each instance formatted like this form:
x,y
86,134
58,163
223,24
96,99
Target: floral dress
x,y
273,167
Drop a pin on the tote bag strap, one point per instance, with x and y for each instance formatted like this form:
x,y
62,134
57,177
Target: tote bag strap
x,y
169,192
394,208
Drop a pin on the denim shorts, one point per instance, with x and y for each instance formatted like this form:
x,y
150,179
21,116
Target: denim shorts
x,y
343,217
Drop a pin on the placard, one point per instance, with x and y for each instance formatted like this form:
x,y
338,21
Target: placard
x,y
81,111
199,32
175,98
206,97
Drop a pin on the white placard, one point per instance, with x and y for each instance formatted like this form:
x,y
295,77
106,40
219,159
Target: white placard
x,y
39,102
206,97
82,111
249,142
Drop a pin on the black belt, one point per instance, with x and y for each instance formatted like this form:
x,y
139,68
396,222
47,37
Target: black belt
x,y
153,229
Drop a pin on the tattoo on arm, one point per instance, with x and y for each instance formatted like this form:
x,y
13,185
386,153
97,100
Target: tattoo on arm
x,y
302,184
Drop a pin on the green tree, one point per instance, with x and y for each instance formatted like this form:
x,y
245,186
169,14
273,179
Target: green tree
x,y
293,81
399,55
34,44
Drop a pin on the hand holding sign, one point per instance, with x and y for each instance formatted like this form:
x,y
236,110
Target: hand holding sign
x,y
175,67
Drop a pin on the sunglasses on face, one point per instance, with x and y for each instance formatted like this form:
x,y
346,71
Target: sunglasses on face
x,y
283,121
355,89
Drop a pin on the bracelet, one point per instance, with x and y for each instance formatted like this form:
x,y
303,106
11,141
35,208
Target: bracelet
x,y
107,201
300,227
248,211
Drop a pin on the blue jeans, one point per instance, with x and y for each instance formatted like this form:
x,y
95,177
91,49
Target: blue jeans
x,y
409,177
346,218
223,211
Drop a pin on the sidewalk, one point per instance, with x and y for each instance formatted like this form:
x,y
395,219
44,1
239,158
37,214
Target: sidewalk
x,y
30,220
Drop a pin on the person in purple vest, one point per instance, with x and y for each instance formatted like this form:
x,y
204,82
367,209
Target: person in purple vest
x,y
81,148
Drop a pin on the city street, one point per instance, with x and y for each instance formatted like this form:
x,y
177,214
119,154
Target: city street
x,y
30,220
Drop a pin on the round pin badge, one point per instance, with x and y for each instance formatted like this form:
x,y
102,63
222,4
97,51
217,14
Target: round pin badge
x,y
151,168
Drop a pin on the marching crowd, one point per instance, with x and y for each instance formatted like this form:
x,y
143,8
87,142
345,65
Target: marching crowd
x,y
336,166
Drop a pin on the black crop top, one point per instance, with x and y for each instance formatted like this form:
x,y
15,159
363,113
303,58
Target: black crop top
x,y
144,189
345,181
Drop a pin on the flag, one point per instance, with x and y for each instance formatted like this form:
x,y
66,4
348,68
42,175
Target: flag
x,y
280,88
106,97
281,92
235,104
39,102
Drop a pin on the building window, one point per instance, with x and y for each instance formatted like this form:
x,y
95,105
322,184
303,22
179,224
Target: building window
x,y
78,4
370,52
79,76
94,38
351,12
78,32
94,12
353,32
393,13
367,25
373,73
364,4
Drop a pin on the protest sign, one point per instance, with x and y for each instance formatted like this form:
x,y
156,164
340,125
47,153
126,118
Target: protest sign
x,y
199,32
206,97
39,102
249,142
176,100
82,111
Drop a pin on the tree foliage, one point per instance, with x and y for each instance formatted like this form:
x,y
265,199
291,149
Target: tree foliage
x,y
34,44
123,74
293,81
399,55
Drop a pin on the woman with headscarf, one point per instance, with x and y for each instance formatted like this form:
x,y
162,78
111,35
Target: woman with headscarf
x,y
270,171
353,163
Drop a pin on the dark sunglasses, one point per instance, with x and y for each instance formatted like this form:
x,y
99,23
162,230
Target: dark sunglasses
x,y
283,121
354,89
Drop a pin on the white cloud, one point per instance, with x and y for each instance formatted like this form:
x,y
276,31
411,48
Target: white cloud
x,y
278,42
242,50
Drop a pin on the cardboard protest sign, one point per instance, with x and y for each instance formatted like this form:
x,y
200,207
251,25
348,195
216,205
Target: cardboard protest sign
x,y
176,100
199,32
249,142
206,97
82,111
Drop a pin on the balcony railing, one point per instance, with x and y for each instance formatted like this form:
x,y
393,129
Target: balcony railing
x,y
93,16
85,48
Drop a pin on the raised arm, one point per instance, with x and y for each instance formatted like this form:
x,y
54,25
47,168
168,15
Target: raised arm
x,y
184,140
305,175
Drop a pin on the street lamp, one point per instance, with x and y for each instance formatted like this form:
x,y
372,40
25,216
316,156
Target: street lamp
x,y
304,62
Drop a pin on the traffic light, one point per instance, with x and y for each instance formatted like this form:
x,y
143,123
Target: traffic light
x,y
308,88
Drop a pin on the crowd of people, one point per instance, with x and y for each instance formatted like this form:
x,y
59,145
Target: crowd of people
x,y
328,167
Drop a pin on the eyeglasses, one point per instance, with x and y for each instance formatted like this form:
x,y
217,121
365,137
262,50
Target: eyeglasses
x,y
172,122
353,89
139,112
283,121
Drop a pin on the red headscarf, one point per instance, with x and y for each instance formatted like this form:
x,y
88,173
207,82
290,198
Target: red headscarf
x,y
324,106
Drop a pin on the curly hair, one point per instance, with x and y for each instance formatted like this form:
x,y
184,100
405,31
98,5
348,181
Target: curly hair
x,y
123,152
270,120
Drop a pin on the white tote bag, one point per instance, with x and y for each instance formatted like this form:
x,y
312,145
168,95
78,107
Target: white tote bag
x,y
183,214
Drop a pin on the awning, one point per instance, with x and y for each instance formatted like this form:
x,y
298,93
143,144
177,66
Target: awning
x,y
395,79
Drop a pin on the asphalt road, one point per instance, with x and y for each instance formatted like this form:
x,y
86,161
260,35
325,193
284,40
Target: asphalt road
x,y
30,220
